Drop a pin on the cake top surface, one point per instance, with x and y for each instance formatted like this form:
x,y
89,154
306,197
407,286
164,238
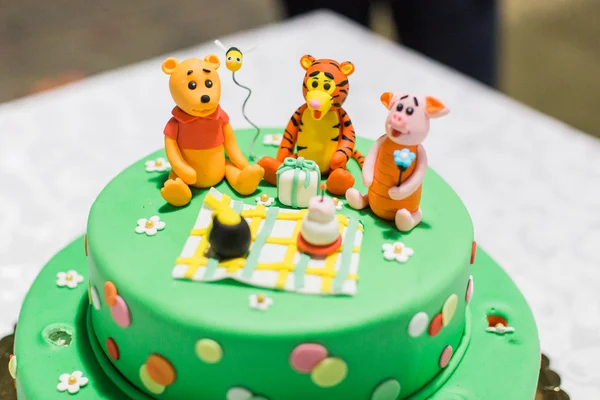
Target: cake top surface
x,y
142,265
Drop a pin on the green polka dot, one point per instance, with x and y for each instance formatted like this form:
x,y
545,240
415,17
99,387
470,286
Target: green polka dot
x,y
387,390
209,351
329,372
149,383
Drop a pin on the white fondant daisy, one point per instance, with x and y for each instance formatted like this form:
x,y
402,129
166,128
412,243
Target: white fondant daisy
x,y
397,251
260,302
338,203
72,382
69,279
150,226
265,200
500,329
158,165
272,140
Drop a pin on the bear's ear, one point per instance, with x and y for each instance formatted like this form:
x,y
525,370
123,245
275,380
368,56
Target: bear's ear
x,y
386,99
347,68
213,59
170,65
435,108
306,61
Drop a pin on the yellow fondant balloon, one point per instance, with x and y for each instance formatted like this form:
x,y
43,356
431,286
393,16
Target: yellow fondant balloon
x,y
329,372
209,351
449,309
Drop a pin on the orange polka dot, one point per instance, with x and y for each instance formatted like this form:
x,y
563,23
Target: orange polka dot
x,y
160,370
113,349
436,325
110,293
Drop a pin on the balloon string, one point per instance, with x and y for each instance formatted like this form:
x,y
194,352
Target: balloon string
x,y
252,157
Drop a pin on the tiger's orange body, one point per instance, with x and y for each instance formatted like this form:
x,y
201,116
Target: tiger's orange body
x,y
320,129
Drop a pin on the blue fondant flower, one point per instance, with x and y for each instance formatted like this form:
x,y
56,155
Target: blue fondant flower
x,y
404,158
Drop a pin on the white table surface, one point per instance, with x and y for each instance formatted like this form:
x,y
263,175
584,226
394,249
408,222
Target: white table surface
x,y
531,183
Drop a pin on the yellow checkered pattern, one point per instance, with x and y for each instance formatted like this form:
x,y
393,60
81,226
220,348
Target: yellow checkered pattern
x,y
284,267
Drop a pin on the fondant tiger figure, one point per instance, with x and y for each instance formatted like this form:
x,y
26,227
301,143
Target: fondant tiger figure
x,y
320,130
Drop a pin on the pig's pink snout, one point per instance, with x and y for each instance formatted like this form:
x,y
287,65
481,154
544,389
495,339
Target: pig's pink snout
x,y
397,118
315,104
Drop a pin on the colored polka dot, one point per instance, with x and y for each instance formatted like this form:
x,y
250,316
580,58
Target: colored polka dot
x,y
473,252
85,245
209,351
239,393
110,293
152,386
329,372
12,366
446,356
387,390
160,370
113,349
436,325
306,356
120,312
418,324
470,289
449,309
95,296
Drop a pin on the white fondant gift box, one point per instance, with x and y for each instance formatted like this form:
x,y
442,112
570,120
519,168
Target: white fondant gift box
x,y
297,181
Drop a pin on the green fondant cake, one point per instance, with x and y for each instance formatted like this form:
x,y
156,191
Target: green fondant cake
x,y
162,321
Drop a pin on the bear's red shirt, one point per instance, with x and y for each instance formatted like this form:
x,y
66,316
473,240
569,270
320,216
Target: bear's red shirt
x,y
197,133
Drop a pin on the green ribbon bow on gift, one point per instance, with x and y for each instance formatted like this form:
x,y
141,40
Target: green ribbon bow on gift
x,y
298,164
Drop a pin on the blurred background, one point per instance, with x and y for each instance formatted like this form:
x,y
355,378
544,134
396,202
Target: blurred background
x,y
548,50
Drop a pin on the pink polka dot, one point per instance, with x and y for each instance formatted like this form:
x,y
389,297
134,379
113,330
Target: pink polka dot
x,y
306,356
120,312
446,356
469,289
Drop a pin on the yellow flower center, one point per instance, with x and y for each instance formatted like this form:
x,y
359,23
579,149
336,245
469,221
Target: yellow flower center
x,y
264,197
158,163
499,324
397,249
72,380
335,201
149,224
69,277
276,137
260,298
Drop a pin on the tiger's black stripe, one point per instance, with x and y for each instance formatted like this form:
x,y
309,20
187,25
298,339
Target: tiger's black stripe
x,y
335,139
336,126
347,123
294,121
291,150
344,153
289,140
335,65
344,137
300,148
314,73
342,83
337,104
297,112
344,114
329,75
344,91
304,85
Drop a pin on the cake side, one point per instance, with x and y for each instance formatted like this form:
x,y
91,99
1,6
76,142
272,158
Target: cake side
x,y
365,336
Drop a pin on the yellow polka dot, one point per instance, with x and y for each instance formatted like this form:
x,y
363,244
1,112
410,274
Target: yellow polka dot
x,y
209,351
152,386
449,309
329,372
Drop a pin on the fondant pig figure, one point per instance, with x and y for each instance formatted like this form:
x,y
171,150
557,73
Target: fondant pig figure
x,y
393,195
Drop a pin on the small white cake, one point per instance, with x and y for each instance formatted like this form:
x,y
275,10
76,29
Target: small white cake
x,y
297,181
320,226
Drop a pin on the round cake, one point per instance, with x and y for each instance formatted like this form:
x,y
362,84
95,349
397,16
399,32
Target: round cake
x,y
387,316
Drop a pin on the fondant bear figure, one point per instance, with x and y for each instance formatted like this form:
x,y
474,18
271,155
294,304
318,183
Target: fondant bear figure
x,y
199,134
406,126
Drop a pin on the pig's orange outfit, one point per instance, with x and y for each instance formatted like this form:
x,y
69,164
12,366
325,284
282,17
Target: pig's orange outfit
x,y
386,176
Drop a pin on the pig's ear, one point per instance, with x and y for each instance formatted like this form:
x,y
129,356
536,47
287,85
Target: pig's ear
x,y
435,108
386,99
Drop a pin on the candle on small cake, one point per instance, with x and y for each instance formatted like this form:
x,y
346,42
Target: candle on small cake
x,y
320,231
